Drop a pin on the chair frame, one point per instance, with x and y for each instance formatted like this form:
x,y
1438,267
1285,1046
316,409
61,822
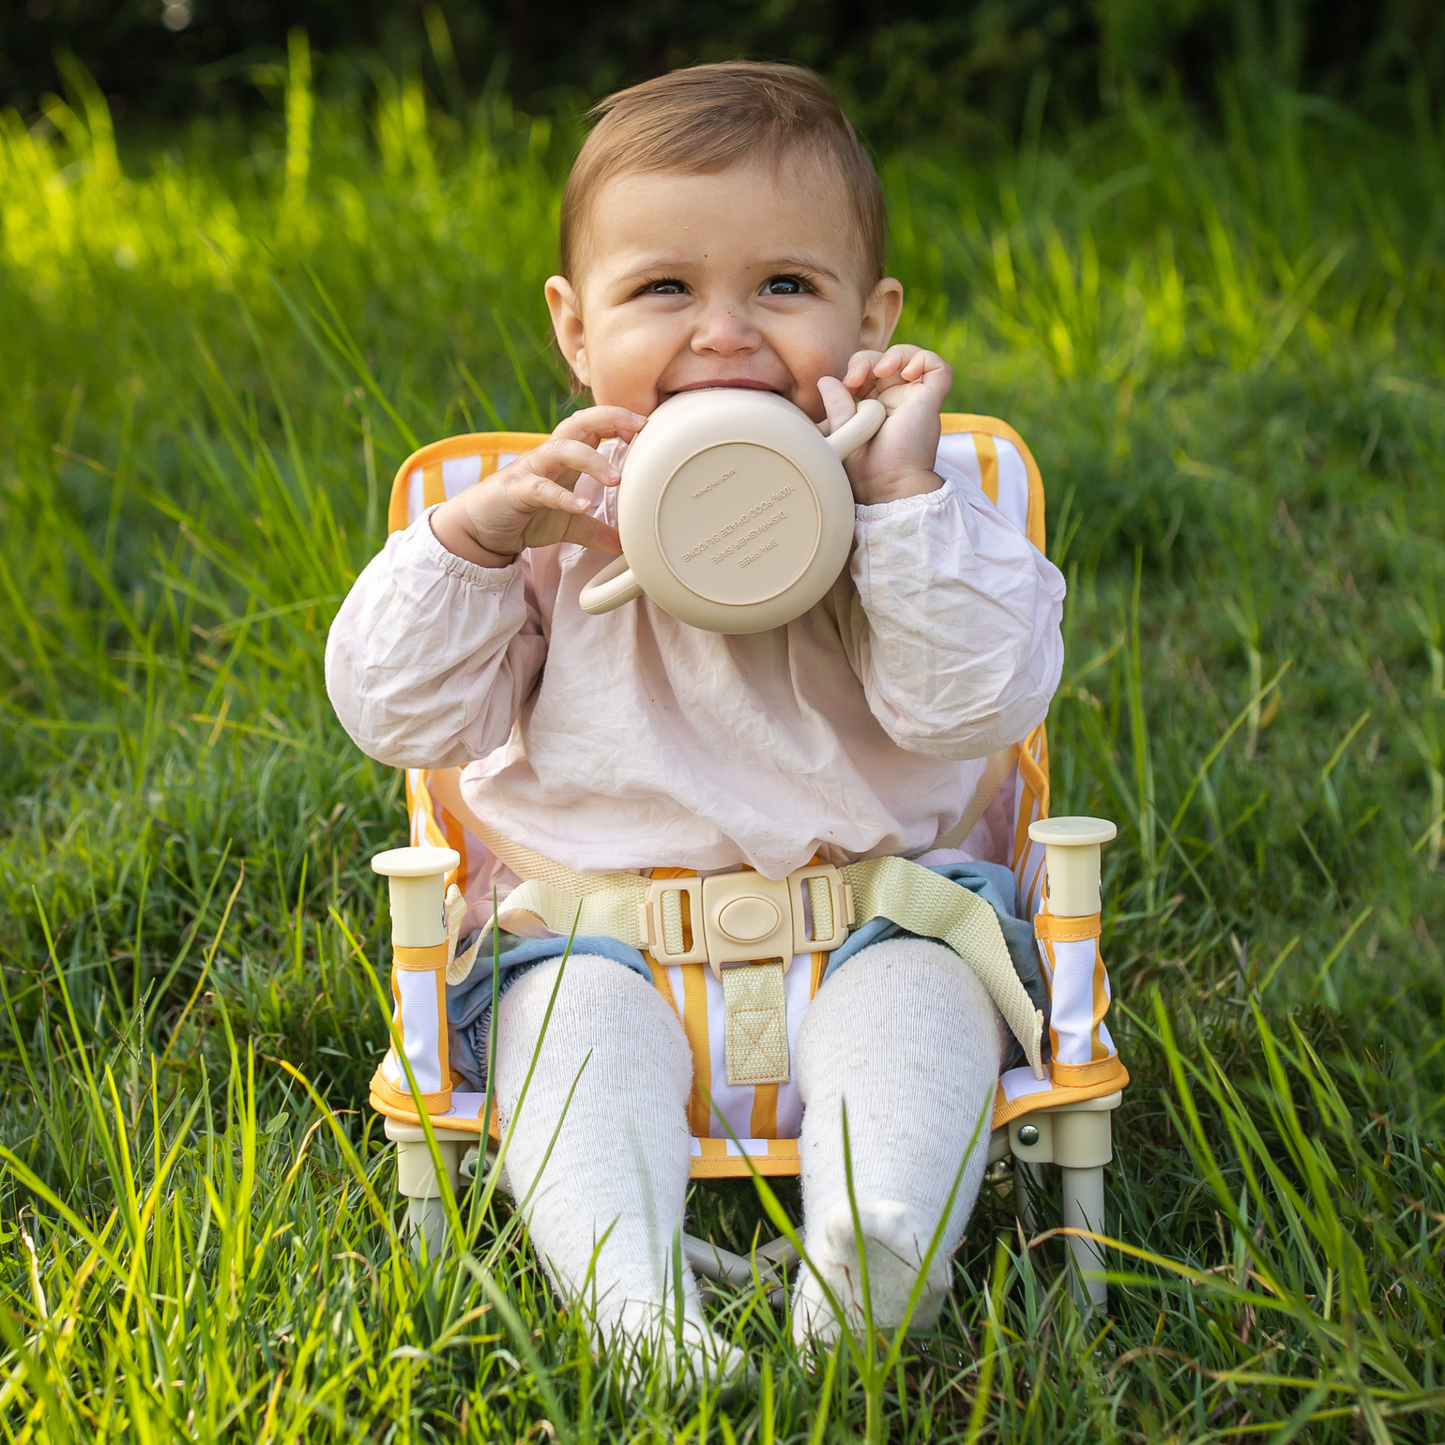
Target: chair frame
x,y
1075,1136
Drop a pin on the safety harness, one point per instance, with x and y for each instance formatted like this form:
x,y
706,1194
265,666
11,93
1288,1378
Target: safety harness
x,y
747,929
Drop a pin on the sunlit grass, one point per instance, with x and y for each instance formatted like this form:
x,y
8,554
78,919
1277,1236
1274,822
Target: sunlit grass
x,y
1225,352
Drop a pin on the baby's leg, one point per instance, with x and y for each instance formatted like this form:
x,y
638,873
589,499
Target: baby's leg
x,y
907,1035
609,1201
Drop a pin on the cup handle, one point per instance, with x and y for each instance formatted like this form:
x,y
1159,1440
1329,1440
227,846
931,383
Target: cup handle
x,y
858,428
610,588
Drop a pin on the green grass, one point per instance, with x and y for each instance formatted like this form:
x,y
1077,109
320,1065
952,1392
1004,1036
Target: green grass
x,y
1225,351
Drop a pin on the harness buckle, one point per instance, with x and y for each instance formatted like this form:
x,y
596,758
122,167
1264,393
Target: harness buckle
x,y
738,918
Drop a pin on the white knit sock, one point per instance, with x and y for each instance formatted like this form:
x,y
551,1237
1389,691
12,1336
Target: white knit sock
x,y
608,1205
907,1035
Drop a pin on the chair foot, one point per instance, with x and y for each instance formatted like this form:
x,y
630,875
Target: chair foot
x,y
426,1219
420,1183
1083,1191
711,1262
1079,1139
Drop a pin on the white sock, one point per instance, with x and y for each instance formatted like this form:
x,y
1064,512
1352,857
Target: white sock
x,y
619,1164
910,1038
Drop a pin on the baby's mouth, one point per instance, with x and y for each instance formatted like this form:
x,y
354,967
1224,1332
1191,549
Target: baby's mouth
x,y
735,383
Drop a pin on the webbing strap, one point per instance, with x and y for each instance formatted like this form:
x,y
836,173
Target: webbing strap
x,y
459,970
928,904
539,906
821,898
455,907
755,1034
912,897
523,861
997,769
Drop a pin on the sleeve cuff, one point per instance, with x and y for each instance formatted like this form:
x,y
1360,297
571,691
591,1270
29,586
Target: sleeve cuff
x,y
489,579
936,500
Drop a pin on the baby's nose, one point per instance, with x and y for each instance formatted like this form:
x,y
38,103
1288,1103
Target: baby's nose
x,y
723,331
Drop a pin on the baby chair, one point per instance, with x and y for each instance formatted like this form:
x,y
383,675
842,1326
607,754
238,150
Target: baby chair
x,y
1054,1111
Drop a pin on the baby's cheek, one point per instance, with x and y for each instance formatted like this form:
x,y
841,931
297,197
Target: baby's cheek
x,y
805,394
629,360
808,400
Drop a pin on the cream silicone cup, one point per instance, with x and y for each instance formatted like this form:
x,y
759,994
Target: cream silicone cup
x,y
734,511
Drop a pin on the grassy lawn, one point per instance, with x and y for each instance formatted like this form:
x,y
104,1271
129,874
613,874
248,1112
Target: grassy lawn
x,y
1226,351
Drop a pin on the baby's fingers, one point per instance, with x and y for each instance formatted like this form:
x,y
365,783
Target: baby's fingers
x,y
903,361
596,423
532,493
923,363
545,528
860,369
908,366
560,460
838,402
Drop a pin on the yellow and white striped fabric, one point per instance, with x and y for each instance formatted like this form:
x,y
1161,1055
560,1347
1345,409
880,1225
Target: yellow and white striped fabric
x,y
1083,1062
764,1118
419,999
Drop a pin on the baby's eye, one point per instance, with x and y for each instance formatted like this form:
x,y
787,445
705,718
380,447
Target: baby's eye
x,y
665,287
784,286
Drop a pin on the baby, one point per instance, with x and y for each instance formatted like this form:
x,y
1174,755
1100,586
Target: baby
x,y
722,227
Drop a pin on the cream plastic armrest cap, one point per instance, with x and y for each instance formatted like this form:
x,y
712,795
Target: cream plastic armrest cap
x,y
1073,832
415,862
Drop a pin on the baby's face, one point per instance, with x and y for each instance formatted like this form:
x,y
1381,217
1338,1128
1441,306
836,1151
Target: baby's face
x,y
749,278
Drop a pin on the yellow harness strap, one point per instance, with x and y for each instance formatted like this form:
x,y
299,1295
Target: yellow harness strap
x,y
995,774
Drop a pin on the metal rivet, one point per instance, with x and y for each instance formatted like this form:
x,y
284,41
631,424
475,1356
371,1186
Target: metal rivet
x,y
1029,1135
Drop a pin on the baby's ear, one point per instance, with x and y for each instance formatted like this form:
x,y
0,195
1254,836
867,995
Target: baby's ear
x,y
567,331
575,384
880,315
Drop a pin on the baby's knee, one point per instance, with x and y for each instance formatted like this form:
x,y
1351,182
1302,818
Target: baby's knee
x,y
590,1008
899,988
584,984
897,977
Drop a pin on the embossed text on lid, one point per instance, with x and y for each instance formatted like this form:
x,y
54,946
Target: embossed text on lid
x,y
737,523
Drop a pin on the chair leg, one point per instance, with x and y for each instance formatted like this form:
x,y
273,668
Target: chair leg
x,y
1027,1186
416,1179
711,1261
426,1219
1079,1139
1083,1191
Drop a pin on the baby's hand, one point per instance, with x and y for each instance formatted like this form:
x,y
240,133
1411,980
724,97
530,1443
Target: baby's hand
x,y
912,384
530,502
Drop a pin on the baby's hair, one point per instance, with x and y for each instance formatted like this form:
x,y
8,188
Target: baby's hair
x,y
709,118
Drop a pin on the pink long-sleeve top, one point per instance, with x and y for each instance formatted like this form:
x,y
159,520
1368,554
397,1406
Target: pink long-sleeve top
x,y
632,740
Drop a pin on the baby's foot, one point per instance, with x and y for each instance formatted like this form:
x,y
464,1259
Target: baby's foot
x,y
894,1243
